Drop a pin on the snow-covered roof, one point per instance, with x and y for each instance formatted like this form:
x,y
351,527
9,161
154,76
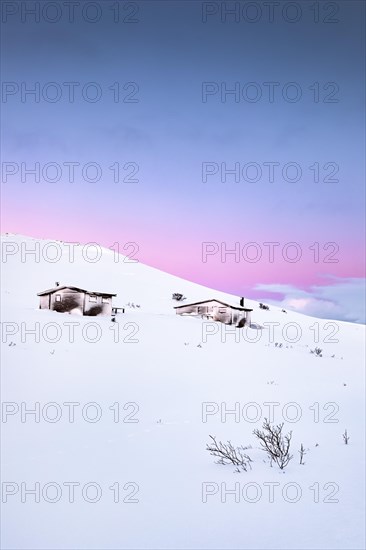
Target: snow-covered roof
x,y
214,300
57,288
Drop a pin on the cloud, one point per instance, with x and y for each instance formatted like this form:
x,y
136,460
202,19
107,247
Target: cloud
x,y
342,299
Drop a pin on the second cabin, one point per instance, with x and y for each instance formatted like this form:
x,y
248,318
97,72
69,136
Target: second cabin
x,y
216,310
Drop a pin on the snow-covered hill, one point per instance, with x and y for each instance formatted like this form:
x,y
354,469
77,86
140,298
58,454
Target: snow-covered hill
x,y
129,407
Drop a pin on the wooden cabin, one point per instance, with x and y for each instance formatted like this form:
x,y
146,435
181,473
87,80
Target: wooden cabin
x,y
216,310
71,299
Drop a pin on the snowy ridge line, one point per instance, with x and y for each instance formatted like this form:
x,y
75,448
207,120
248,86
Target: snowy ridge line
x,y
93,266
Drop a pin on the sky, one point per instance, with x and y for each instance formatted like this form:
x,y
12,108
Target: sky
x,y
194,129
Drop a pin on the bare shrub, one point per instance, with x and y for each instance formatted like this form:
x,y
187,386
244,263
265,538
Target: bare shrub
x,y
133,305
317,352
274,443
346,437
178,297
228,454
302,453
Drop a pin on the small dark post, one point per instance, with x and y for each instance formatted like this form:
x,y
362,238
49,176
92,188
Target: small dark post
x,y
242,302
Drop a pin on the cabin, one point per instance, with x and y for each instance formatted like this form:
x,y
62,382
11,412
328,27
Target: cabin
x,y
72,299
216,310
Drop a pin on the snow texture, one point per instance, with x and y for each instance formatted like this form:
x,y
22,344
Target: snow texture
x,y
173,378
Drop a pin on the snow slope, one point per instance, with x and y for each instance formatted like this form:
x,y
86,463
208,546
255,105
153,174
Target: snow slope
x,y
160,384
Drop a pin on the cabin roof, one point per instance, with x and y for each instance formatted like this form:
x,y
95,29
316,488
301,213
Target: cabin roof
x,y
57,288
214,300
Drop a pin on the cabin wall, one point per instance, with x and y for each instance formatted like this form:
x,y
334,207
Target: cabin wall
x,y
187,310
217,312
44,302
100,305
223,314
71,301
76,302
209,308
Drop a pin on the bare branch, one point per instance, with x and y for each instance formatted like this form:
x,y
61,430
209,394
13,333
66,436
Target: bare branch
x,y
228,454
276,445
302,453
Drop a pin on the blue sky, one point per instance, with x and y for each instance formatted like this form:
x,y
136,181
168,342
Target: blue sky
x,y
169,133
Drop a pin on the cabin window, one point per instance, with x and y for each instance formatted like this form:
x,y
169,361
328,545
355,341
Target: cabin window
x,y
92,299
105,300
58,298
222,310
